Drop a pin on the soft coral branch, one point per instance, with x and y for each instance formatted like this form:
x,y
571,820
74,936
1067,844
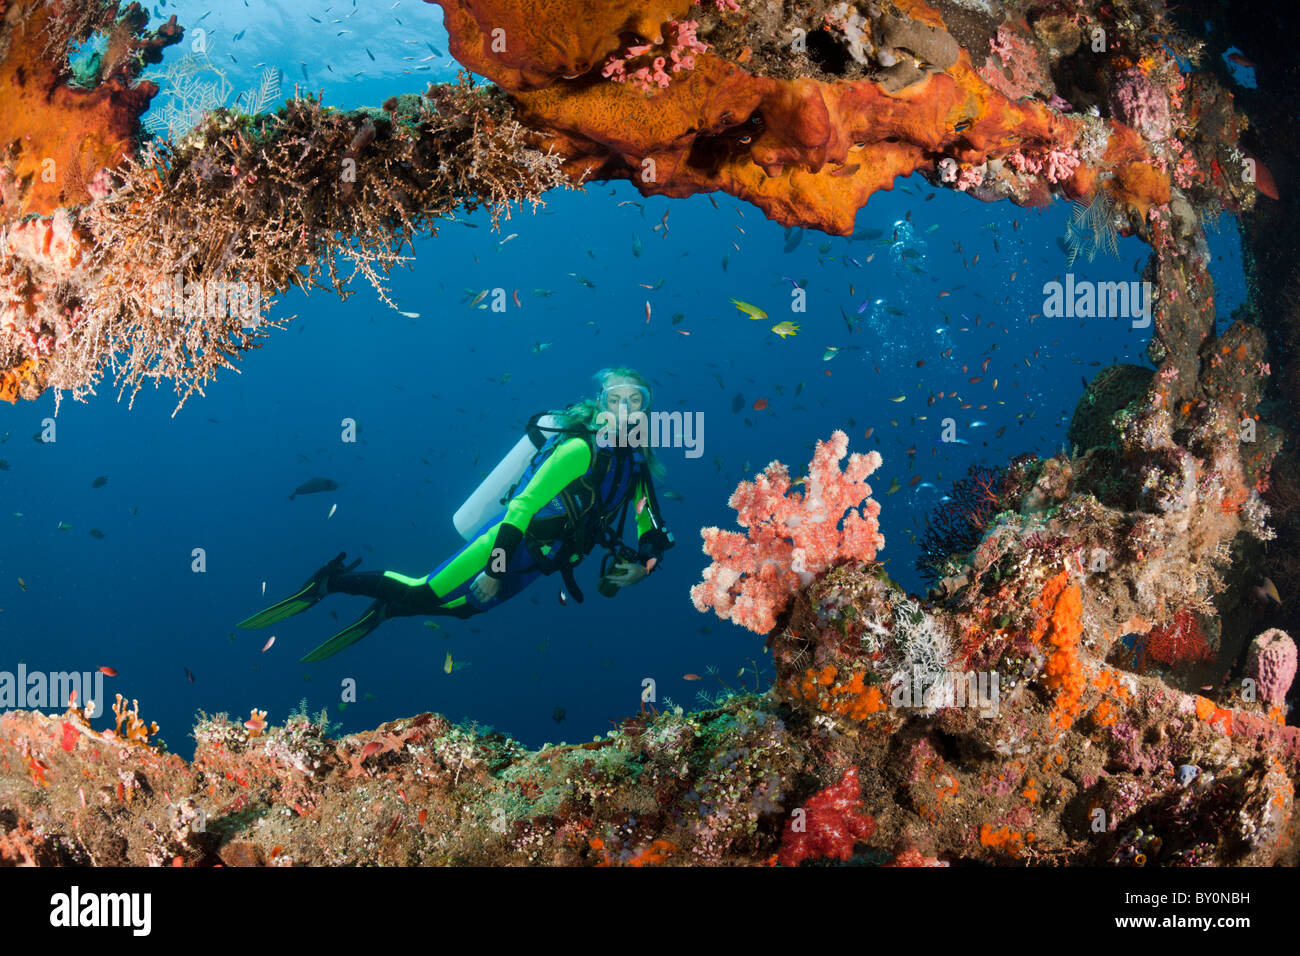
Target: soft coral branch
x,y
791,536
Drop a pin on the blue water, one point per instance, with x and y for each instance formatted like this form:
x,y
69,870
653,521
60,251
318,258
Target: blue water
x,y
441,397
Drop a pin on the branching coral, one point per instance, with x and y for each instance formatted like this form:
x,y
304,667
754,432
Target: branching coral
x,y
792,536
129,725
169,275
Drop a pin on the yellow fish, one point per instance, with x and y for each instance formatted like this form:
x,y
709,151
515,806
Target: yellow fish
x,y
893,486
785,328
1266,590
753,311
447,665
901,398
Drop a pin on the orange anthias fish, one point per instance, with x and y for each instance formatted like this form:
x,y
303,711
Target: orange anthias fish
x,y
692,677
760,404
108,671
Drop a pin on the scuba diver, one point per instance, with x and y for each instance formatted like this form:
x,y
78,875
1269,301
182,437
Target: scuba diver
x,y
564,490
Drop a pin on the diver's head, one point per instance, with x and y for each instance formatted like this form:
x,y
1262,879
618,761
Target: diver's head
x,y
624,393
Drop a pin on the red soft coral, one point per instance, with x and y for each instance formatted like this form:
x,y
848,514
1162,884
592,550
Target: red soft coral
x,y
832,822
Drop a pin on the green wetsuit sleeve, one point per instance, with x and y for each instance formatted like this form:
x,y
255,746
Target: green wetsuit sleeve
x,y
569,461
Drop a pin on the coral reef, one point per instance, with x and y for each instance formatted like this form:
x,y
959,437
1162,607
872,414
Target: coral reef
x,y
806,128
1081,686
677,97
1067,760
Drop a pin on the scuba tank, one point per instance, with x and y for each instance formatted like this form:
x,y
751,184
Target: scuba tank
x,y
489,497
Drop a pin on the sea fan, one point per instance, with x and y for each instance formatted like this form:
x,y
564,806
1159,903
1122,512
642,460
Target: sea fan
x,y
1091,229
192,87
260,100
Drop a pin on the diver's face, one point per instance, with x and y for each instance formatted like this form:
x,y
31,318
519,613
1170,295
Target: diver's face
x,y
623,398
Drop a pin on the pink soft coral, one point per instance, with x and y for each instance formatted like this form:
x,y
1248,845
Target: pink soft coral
x,y
792,536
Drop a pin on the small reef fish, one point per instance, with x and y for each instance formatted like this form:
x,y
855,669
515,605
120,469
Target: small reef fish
x,y
1268,590
108,671
99,482
313,486
692,677
267,646
785,328
753,311
448,665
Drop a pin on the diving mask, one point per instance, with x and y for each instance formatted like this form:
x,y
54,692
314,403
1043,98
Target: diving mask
x,y
635,397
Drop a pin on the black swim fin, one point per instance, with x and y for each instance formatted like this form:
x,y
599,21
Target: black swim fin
x,y
374,616
316,587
